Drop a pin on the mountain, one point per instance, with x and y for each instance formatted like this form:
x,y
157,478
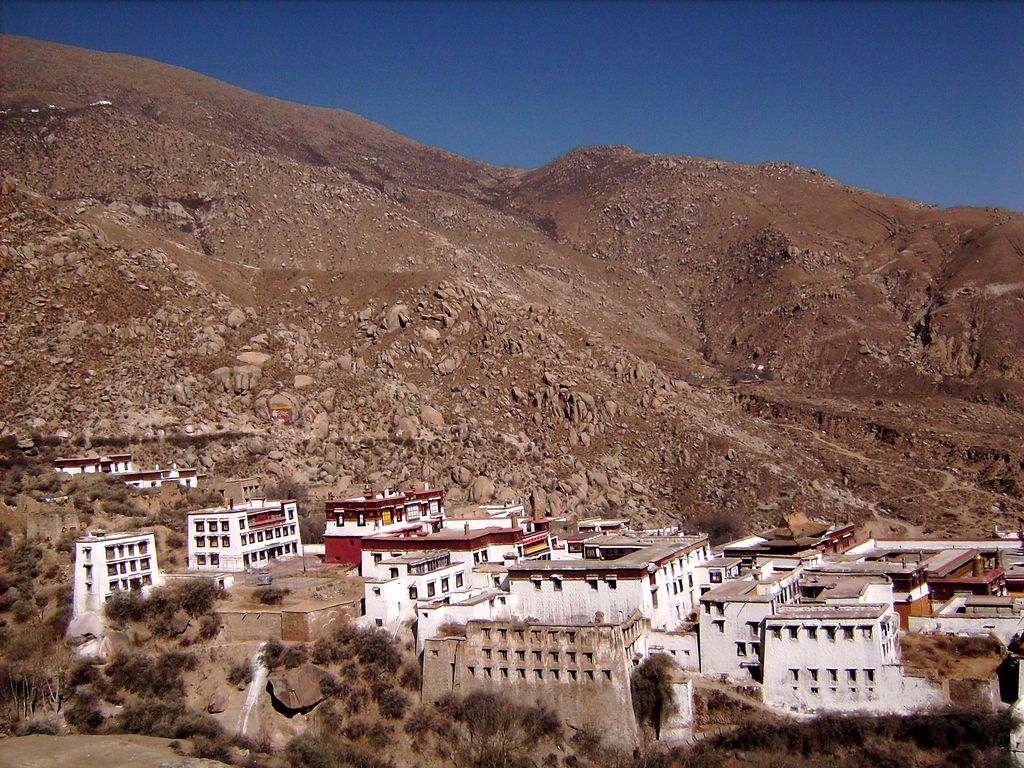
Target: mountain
x,y
669,338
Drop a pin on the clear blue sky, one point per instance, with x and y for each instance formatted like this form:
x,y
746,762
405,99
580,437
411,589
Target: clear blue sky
x,y
921,100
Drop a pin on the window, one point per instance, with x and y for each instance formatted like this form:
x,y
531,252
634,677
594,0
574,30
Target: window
x,y
833,675
556,583
847,633
200,526
851,675
377,557
814,674
520,655
430,589
866,632
716,577
214,559
200,559
776,633
458,582
870,675
613,582
753,628
413,592
444,584
794,675
200,541
719,625
592,581
793,632
812,633
741,649
503,654
225,541
487,653
830,632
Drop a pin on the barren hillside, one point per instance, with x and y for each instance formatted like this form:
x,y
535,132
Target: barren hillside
x,y
178,254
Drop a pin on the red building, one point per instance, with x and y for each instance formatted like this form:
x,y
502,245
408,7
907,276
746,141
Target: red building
x,y
349,521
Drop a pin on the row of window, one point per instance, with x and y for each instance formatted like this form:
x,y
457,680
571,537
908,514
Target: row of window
x,y
119,551
831,633
432,585
852,675
289,548
214,525
125,585
592,582
552,636
268,535
556,657
123,567
520,673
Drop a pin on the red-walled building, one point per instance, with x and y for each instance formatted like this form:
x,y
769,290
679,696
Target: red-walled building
x,y
351,520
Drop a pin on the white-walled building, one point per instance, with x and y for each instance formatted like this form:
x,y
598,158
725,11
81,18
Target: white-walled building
x,y
731,621
88,465
120,465
242,536
652,575
975,616
396,585
839,658
106,564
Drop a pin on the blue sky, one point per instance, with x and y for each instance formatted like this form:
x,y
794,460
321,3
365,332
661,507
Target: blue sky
x,y
920,100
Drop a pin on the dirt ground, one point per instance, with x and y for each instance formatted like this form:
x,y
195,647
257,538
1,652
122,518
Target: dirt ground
x,y
90,751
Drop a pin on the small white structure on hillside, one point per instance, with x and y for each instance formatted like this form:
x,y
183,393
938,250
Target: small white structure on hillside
x,y
120,465
106,564
241,536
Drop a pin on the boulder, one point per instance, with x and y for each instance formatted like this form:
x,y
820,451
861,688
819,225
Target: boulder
x,y
482,490
302,380
298,690
218,703
253,358
431,416
462,476
396,317
235,318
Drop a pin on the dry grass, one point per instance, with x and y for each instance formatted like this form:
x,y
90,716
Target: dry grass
x,y
948,657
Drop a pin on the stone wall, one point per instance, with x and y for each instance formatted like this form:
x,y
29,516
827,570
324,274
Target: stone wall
x,y
287,625
582,670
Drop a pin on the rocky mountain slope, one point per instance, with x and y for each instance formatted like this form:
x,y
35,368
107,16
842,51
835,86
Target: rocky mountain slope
x,y
669,338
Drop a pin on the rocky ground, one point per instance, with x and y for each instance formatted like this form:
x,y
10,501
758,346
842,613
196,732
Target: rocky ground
x,y
671,339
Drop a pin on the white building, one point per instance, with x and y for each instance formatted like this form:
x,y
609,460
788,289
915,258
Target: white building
x,y
396,585
839,658
242,536
120,466
619,575
731,621
975,616
88,465
106,564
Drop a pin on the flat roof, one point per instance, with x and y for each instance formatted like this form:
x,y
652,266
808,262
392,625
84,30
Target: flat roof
x,y
414,558
745,590
107,537
838,612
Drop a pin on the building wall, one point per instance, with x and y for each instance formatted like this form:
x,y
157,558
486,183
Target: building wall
x,y
106,565
1003,627
581,599
583,671
856,671
683,647
721,634
234,552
